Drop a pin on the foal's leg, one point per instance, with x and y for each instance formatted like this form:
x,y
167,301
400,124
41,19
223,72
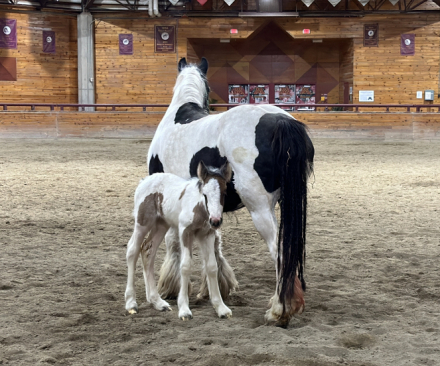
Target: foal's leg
x,y
133,250
149,249
186,240
226,277
210,264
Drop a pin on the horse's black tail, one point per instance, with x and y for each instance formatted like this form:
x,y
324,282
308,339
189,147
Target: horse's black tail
x,y
293,152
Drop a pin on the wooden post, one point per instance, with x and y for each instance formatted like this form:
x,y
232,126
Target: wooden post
x,y
86,60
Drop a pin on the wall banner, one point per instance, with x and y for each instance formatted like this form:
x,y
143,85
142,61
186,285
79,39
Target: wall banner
x,y
126,44
164,39
371,35
407,44
49,42
8,33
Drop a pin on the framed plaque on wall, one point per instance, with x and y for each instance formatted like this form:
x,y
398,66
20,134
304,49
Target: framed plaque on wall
x,y
164,39
238,93
371,35
259,94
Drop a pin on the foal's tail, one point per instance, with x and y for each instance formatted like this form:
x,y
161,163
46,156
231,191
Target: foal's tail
x,y
293,152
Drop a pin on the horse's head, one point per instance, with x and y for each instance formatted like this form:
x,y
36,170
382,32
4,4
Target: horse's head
x,y
202,66
191,84
212,184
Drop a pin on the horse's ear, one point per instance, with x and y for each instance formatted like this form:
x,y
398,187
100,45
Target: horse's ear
x,y
202,171
203,66
182,64
226,171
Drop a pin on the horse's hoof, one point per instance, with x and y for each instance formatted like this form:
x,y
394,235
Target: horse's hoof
x,y
226,316
186,317
167,308
133,311
282,324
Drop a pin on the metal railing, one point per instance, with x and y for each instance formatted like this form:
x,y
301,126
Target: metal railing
x,y
289,107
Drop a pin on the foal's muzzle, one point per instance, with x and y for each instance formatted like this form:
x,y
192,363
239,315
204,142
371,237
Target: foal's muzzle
x,y
215,223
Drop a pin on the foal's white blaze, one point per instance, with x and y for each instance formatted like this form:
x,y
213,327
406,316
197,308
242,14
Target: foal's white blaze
x,y
212,192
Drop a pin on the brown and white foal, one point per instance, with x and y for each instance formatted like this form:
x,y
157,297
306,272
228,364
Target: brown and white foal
x,y
195,208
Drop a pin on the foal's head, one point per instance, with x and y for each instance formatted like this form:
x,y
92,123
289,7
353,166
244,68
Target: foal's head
x,y
212,183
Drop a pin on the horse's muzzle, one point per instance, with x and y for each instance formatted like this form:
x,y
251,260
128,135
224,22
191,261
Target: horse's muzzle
x,y
215,224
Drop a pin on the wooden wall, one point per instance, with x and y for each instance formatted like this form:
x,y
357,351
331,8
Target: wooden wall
x,y
39,124
149,77
144,77
42,77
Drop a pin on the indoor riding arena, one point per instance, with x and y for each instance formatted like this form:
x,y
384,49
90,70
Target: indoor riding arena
x,y
84,86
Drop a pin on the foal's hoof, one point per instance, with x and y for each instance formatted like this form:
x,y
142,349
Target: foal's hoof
x,y
167,308
186,317
133,311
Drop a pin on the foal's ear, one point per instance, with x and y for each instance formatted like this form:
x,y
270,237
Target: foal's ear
x,y
202,171
226,171
182,64
203,66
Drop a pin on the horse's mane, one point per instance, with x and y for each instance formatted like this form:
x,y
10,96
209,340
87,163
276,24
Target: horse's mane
x,y
191,86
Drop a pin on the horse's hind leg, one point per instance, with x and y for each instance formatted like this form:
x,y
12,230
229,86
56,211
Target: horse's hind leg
x,y
263,216
266,224
169,280
133,250
226,278
149,249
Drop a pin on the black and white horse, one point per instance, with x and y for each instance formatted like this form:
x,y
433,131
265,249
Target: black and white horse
x,y
271,156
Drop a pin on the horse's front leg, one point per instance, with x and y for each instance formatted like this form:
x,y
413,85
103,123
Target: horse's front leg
x,y
149,249
133,250
186,241
210,264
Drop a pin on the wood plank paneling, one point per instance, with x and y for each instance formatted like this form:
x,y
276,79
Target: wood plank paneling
x,y
150,77
421,126
145,76
42,77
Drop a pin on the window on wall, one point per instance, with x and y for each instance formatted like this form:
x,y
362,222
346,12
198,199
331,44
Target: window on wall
x,y
291,96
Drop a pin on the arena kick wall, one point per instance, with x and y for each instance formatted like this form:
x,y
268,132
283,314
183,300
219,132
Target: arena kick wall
x,y
148,77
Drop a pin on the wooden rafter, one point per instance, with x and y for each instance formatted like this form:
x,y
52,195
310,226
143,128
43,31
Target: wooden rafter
x,y
42,3
379,5
358,4
88,4
418,4
126,5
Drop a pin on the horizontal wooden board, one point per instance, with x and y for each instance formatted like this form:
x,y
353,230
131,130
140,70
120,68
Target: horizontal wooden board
x,y
143,124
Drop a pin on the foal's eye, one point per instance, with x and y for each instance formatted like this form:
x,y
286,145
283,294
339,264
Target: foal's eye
x,y
206,199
